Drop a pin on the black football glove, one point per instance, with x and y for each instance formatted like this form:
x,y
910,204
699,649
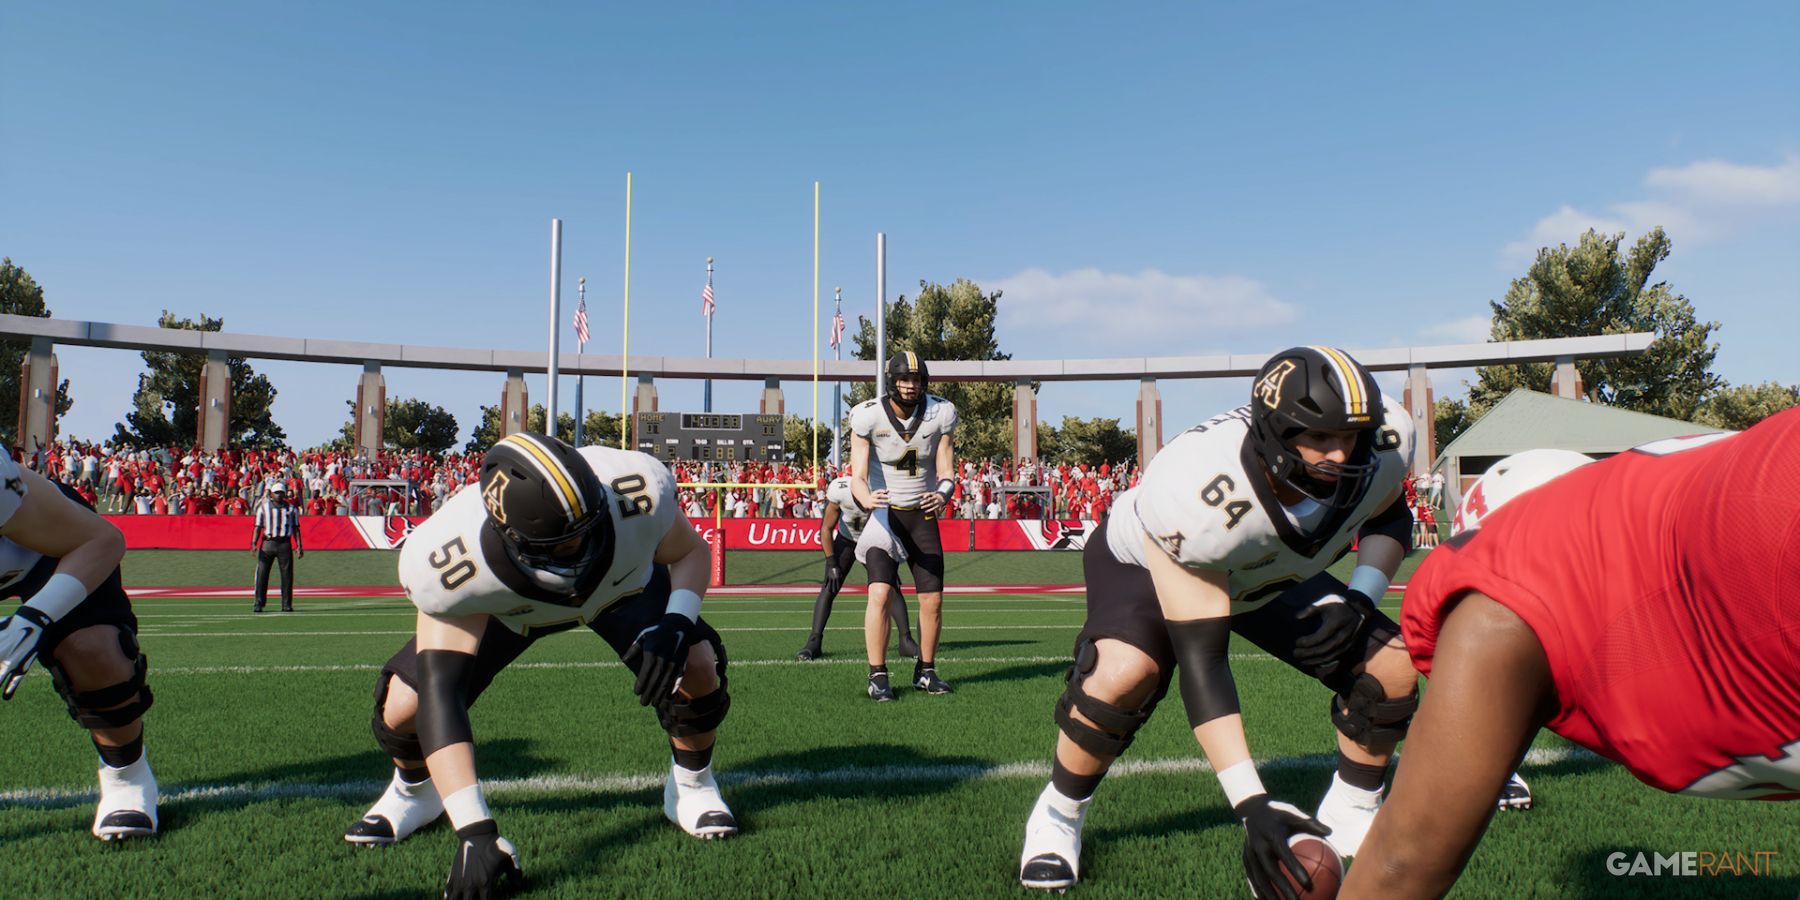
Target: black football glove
x,y
660,655
19,636
834,577
486,864
1267,827
1340,621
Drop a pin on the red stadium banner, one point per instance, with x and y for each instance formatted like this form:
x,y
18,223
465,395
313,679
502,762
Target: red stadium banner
x,y
387,533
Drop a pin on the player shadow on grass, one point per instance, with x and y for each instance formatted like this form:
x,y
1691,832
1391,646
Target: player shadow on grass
x,y
753,787
1026,672
975,645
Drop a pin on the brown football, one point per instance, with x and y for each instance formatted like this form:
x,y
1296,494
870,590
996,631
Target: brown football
x,y
1322,864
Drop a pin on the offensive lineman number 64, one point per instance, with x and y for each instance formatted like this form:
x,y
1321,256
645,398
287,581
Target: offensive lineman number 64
x,y
1214,495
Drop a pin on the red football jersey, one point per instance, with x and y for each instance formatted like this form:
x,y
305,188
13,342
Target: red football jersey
x,y
1664,584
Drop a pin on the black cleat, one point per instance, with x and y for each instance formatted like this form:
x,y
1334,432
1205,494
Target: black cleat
x,y
370,829
809,652
1047,872
1515,794
879,689
927,680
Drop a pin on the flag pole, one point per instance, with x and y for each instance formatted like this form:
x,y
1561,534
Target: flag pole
x,y
625,361
815,338
580,348
555,327
706,398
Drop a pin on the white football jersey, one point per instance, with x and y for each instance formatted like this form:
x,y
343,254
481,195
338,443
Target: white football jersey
x,y
851,518
12,487
1206,502
453,565
903,454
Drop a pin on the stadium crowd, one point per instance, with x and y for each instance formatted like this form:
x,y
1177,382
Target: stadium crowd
x,y
192,481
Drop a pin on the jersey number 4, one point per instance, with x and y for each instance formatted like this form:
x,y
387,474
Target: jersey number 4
x,y
909,461
1215,495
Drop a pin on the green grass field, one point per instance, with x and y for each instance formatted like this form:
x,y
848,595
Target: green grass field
x,y
261,742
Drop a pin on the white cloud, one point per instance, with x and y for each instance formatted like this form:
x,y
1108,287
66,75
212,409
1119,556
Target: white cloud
x,y
1697,202
1149,313
1472,330
1716,182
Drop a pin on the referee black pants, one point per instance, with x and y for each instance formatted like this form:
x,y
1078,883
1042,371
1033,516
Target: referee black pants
x,y
275,550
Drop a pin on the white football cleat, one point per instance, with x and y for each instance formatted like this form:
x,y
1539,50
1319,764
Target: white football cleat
x,y
127,806
1051,859
403,809
692,800
1515,794
1348,811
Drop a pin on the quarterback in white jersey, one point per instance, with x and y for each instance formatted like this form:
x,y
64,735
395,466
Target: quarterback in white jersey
x,y
903,466
1231,530
555,538
839,532
62,560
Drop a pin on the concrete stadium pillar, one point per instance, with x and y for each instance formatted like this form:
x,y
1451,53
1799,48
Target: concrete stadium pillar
x,y
371,409
643,400
772,402
37,396
213,429
515,404
1149,421
1024,423
1567,381
1420,402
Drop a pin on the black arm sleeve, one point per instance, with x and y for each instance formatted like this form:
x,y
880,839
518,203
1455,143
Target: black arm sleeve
x,y
1202,653
443,708
1396,522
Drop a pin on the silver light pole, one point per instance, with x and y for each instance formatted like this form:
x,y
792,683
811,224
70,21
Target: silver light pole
x,y
880,309
555,326
580,348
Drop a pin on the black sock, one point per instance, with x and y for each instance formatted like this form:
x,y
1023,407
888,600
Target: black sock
x,y
692,760
1362,776
877,670
1071,785
413,776
120,757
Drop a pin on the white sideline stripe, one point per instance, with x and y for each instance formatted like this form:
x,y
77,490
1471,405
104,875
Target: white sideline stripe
x,y
801,628
845,660
241,615
46,797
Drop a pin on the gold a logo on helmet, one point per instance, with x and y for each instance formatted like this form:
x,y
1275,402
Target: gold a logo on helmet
x,y
492,496
1268,389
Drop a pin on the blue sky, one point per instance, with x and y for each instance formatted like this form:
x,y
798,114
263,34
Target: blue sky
x,y
1143,180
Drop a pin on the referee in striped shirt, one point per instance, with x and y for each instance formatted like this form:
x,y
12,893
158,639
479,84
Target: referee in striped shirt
x,y
276,538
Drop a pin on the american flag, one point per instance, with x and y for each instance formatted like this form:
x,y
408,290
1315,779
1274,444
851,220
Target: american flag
x,y
581,329
706,300
837,329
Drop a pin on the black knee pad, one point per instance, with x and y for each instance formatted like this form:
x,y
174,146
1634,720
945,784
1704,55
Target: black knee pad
x,y
393,743
1118,725
686,718
92,709
1365,715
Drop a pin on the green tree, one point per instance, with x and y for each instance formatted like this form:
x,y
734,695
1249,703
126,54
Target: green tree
x,y
1450,418
954,322
409,424
798,440
600,428
488,431
20,295
1738,408
1086,441
1594,289
166,407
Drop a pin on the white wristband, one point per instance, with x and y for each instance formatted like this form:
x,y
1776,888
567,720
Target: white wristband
x,y
467,806
684,602
58,595
1370,581
1241,782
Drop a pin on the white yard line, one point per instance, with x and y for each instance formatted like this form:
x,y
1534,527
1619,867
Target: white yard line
x,y
53,797
840,660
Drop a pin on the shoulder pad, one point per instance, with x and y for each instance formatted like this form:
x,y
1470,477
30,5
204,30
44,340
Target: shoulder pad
x,y
12,487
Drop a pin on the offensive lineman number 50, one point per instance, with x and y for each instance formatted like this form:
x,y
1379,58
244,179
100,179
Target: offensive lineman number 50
x,y
453,563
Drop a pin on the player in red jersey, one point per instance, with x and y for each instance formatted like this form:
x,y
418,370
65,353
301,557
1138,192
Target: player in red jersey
x,y
1645,607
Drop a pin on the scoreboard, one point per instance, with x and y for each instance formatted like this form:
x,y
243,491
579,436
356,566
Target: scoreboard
x,y
709,437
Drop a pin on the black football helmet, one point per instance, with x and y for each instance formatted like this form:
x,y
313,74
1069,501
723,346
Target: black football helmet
x,y
902,364
540,495
1316,389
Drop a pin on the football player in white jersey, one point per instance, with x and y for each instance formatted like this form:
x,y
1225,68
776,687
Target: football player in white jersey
x,y
62,559
555,538
1231,530
839,531
903,467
